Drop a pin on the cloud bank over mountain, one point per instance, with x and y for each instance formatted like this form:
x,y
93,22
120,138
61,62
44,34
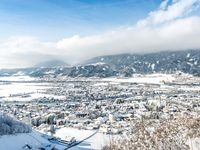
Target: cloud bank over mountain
x,y
173,26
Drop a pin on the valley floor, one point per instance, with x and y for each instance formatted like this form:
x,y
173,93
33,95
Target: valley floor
x,y
78,107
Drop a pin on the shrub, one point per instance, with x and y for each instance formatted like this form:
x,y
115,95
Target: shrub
x,y
164,135
9,125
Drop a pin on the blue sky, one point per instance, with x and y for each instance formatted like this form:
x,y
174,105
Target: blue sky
x,y
54,19
33,31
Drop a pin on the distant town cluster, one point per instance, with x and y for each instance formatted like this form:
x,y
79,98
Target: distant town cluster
x,y
111,106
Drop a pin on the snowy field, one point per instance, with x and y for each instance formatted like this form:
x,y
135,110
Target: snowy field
x,y
95,142
149,79
17,78
35,139
18,141
14,89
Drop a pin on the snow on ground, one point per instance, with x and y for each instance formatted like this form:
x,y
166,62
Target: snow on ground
x,y
16,88
35,139
17,78
99,140
18,141
13,91
189,88
101,84
33,96
150,79
95,142
40,95
194,143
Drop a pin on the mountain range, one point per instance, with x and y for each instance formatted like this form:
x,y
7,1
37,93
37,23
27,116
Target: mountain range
x,y
187,61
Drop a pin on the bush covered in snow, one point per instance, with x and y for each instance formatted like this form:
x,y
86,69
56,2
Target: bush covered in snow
x,y
165,135
9,125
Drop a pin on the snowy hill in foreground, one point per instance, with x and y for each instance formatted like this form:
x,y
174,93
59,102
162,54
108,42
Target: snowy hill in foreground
x,y
38,140
15,135
19,141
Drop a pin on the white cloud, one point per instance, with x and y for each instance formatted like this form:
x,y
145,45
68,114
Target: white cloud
x,y
167,28
166,12
179,34
24,51
164,4
164,29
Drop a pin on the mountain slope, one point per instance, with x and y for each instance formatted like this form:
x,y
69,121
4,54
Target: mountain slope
x,y
120,65
167,62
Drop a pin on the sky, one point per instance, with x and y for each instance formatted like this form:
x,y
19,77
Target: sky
x,y
33,31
